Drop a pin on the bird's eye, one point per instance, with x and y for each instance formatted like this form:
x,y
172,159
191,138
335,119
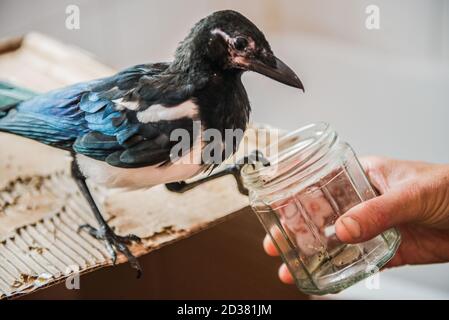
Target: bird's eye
x,y
240,43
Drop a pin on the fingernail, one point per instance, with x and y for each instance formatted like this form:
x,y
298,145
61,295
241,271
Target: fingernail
x,y
352,227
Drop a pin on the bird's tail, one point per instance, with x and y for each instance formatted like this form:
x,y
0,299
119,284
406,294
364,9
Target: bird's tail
x,y
11,95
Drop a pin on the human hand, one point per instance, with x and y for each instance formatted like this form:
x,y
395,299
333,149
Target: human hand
x,y
414,198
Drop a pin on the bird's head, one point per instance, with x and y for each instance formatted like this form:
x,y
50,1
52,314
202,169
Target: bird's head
x,y
227,41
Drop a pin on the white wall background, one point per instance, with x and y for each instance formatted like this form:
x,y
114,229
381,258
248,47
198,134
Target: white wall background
x,y
386,91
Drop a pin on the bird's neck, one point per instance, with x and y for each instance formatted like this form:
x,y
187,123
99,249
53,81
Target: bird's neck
x,y
220,94
223,102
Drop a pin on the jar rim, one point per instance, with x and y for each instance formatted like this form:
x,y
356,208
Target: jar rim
x,y
303,146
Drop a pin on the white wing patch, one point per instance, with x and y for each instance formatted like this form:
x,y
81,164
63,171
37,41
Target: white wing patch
x,y
122,105
158,112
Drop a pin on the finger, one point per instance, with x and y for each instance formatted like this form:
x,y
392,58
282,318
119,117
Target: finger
x,y
370,218
269,246
377,169
285,275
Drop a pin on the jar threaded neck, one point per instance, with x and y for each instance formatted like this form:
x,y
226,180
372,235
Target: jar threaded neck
x,y
292,154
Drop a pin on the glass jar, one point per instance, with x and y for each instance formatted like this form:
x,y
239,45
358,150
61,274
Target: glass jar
x,y
312,179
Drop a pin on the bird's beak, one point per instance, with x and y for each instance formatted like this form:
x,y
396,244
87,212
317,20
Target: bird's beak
x,y
277,70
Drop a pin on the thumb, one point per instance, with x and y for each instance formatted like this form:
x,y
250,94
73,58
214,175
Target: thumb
x,y
368,219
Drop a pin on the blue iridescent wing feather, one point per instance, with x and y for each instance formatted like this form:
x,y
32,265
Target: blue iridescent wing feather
x,y
84,118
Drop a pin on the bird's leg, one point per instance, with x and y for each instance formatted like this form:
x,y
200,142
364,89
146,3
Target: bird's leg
x,y
182,186
234,170
105,232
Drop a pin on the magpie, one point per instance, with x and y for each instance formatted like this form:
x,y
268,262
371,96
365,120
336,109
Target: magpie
x,y
118,129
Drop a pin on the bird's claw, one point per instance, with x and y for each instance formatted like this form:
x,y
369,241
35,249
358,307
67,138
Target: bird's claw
x,y
255,157
115,243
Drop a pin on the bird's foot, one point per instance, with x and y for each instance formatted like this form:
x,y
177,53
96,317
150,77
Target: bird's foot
x,y
115,243
256,157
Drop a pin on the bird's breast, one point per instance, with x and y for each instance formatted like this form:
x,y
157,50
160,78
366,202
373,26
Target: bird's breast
x,y
181,169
